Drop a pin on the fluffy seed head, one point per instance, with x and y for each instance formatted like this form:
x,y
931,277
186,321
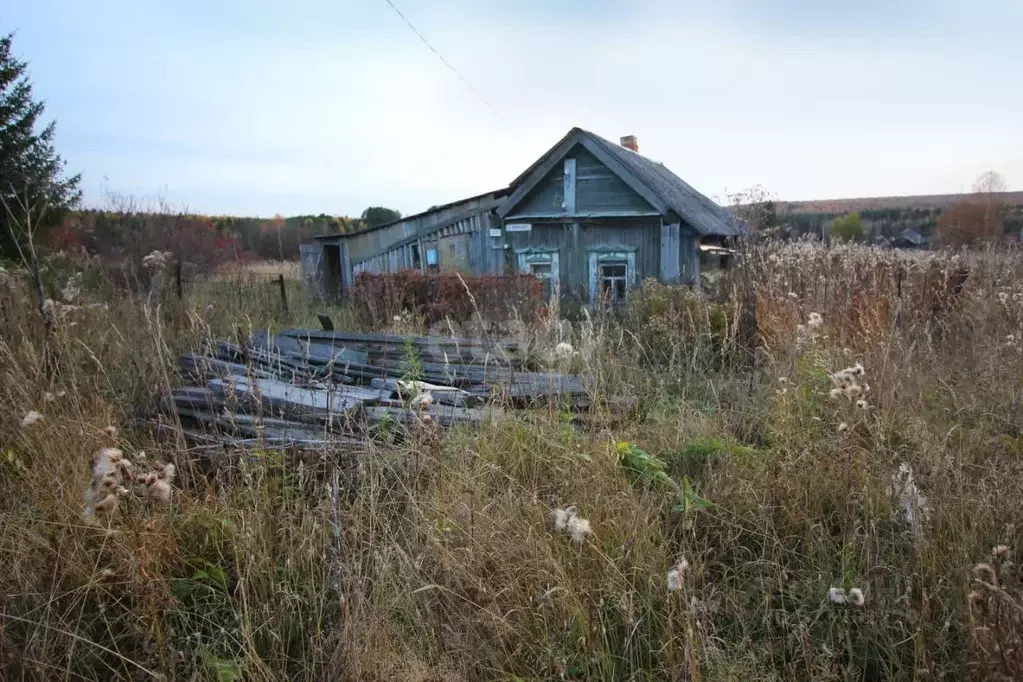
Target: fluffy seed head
x,y
160,490
578,528
106,461
677,574
855,597
30,418
837,595
1000,551
106,506
561,517
985,572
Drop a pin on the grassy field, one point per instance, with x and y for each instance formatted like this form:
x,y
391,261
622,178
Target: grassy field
x,y
754,516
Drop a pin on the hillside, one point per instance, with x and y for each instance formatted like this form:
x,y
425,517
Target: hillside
x,y
886,217
918,202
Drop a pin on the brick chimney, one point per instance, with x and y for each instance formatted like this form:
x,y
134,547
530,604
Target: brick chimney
x,y
630,142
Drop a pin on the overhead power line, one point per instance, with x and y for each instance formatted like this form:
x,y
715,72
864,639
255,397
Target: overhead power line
x,y
441,58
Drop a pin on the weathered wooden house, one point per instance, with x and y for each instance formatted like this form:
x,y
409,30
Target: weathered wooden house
x,y
910,239
589,217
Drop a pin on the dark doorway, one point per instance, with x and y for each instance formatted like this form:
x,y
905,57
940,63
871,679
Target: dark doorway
x,y
332,270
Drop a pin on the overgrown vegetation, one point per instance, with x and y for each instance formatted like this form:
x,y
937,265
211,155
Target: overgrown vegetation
x,y
846,507
446,297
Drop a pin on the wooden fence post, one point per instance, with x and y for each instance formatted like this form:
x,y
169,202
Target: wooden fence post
x,y
284,292
177,280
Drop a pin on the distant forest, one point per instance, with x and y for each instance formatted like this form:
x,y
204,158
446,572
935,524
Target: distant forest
x,y
887,217
205,240
886,223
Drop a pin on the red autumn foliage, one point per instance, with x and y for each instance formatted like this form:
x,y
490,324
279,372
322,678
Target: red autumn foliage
x,y
446,296
194,239
968,222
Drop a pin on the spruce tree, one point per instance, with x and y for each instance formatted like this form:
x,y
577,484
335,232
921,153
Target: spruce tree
x,y
31,172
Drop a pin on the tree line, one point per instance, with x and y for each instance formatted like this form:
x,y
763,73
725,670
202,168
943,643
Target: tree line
x,y
979,217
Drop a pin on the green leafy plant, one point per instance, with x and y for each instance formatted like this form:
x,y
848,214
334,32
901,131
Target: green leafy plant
x,y
640,465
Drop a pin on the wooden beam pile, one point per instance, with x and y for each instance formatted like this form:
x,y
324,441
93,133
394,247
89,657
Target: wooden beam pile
x,y
306,387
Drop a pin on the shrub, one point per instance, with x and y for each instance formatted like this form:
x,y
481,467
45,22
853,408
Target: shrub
x,y
450,296
674,323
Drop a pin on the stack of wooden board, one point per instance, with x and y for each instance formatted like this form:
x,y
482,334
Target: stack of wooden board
x,y
305,387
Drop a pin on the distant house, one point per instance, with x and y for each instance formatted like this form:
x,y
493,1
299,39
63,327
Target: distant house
x,y
910,239
589,217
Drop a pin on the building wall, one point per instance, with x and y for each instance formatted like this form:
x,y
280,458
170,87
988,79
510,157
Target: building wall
x,y
454,253
366,245
574,241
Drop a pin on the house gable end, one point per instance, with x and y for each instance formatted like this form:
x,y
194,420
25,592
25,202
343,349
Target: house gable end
x,y
576,178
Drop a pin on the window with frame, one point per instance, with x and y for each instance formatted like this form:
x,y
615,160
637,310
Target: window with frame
x,y
542,271
541,263
612,273
432,262
614,280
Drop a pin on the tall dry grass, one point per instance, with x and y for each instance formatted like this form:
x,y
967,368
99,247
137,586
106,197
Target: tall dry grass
x,y
434,556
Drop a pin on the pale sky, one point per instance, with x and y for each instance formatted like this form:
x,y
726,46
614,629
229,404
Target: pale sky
x,y
258,107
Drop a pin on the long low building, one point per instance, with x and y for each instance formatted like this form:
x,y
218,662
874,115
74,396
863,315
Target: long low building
x,y
591,218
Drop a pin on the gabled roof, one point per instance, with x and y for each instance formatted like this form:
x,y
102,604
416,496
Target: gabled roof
x,y
912,236
664,190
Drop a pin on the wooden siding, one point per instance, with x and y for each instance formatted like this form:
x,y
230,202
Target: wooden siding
x,y
598,190
581,187
311,259
689,258
462,245
392,247
575,239
548,197
366,245
670,252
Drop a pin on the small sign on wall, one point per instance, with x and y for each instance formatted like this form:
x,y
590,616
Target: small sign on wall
x,y
518,227
495,232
